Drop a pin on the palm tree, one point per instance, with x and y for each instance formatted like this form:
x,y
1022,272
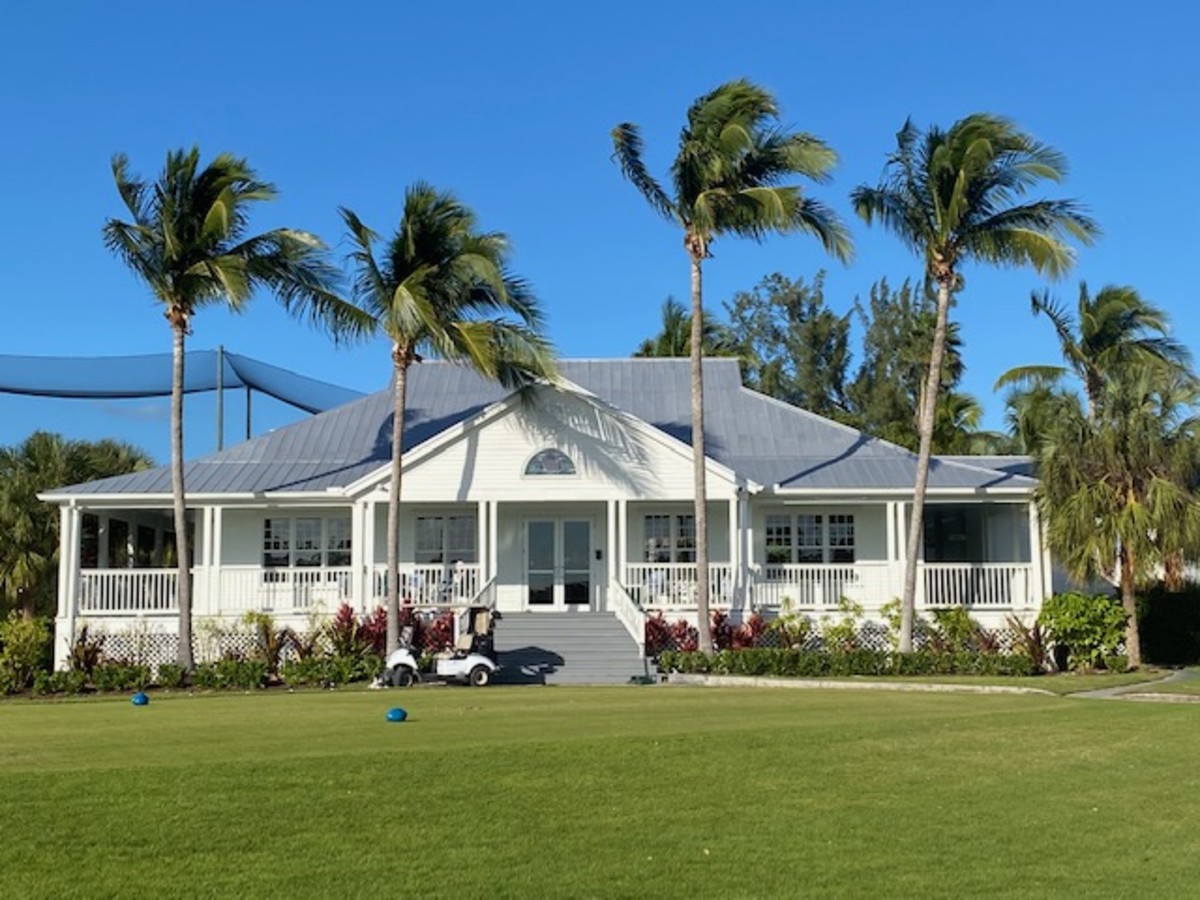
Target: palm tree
x,y
1112,330
442,288
952,197
1116,483
726,179
188,242
675,339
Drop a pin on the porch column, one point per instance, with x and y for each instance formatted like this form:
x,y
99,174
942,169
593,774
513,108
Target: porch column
x,y
482,556
622,539
101,541
493,512
370,508
218,539
70,546
1038,558
610,524
735,557
744,551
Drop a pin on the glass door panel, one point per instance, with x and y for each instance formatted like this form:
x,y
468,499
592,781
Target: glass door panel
x,y
541,552
577,562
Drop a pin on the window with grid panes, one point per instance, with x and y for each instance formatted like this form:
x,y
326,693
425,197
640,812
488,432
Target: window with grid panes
x,y
810,538
446,539
670,538
306,541
841,538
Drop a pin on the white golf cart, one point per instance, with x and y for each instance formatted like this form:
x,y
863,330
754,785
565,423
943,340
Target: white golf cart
x,y
472,661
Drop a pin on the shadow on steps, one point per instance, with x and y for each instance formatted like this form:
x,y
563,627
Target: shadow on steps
x,y
527,665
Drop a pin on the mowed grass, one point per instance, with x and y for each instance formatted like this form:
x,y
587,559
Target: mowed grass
x,y
599,792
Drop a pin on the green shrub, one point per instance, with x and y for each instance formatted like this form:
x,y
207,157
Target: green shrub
x,y
171,676
1091,627
64,682
116,676
204,676
790,663
86,652
24,648
241,674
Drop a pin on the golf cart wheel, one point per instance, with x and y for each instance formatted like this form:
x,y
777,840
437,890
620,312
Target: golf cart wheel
x,y
480,676
403,677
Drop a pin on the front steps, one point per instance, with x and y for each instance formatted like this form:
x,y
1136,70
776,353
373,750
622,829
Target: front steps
x,y
565,648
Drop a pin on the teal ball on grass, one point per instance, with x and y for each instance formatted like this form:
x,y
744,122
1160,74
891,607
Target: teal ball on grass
x,y
139,699
396,715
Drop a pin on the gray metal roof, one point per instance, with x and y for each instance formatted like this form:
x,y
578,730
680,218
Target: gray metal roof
x,y
760,438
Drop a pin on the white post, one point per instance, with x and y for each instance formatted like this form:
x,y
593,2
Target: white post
x,y
483,557
70,546
218,538
101,541
368,553
744,551
610,522
494,545
735,558
622,548
1038,558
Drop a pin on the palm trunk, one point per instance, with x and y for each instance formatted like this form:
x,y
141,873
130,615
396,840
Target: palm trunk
x,y
183,587
1133,640
399,384
700,485
916,525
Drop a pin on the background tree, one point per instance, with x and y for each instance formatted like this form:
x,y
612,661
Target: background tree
x,y
29,551
793,346
727,180
442,287
188,241
1117,482
675,339
951,196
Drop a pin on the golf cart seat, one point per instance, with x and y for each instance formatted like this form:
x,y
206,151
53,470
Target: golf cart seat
x,y
464,643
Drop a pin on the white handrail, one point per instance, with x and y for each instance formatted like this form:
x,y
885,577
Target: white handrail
x,y
629,614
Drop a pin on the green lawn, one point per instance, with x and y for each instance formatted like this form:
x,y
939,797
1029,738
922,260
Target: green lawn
x,y
1189,686
617,792
1062,684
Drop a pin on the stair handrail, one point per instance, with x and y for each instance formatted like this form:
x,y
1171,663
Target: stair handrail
x,y
630,614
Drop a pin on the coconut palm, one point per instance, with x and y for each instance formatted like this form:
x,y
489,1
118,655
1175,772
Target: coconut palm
x,y
1116,482
727,180
675,339
441,287
189,241
954,196
1109,332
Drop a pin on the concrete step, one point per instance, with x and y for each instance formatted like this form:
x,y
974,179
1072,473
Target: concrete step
x,y
572,648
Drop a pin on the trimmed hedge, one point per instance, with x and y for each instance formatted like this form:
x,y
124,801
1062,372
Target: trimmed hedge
x,y
837,663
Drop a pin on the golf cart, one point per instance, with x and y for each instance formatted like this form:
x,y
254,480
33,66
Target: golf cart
x,y
472,661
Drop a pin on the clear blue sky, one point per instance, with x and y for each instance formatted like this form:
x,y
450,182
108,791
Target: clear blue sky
x,y
510,106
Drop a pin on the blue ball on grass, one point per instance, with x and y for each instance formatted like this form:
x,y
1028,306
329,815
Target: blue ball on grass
x,y
396,714
139,699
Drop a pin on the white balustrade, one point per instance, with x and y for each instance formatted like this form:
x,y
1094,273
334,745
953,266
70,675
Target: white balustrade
x,y
127,591
434,584
300,589
820,585
983,585
629,614
673,585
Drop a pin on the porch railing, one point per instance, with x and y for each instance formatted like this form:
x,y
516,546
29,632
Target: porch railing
x,y
673,585
985,585
132,591
819,585
629,614
300,589
430,585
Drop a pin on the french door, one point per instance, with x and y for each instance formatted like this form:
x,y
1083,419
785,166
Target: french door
x,y
558,563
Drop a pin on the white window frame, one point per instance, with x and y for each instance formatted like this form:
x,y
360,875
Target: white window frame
x,y
836,534
681,540
448,553
281,535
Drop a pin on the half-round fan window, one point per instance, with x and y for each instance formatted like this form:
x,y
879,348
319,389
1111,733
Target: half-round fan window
x,y
550,462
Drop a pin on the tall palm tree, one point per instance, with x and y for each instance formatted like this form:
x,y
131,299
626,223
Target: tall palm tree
x,y
442,287
675,339
188,241
952,197
727,180
1116,483
1110,331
